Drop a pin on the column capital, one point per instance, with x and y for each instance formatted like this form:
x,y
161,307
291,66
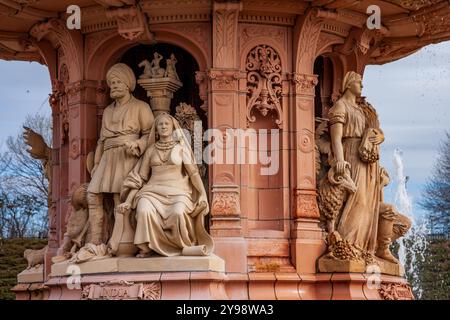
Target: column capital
x,y
305,204
304,83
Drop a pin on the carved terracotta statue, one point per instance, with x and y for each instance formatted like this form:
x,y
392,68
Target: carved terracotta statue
x,y
123,139
349,127
41,151
168,195
360,225
171,71
34,258
147,69
391,225
77,227
157,71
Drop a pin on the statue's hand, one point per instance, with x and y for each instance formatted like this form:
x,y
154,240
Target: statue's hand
x,y
376,138
132,148
203,202
340,167
124,208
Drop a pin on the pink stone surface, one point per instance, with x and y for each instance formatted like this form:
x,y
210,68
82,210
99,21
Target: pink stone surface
x,y
276,218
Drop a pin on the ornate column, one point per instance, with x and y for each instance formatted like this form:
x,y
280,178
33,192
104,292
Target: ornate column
x,y
223,114
55,204
83,98
306,236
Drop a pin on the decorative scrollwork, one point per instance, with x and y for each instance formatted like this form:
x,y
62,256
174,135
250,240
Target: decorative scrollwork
x,y
264,88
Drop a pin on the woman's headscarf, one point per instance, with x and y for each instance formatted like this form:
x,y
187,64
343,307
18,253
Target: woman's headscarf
x,y
124,73
349,78
179,134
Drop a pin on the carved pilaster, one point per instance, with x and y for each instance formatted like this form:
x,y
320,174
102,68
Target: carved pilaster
x,y
225,29
225,211
305,204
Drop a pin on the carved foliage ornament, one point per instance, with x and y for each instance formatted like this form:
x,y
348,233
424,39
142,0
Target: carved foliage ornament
x,y
131,22
264,88
414,4
305,205
395,291
226,203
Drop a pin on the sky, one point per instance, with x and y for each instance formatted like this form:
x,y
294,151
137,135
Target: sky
x,y
412,97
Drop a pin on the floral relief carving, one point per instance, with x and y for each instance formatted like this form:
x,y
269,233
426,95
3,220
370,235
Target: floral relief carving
x,y
251,32
224,80
198,32
395,291
226,24
264,87
305,83
131,22
75,148
305,205
226,203
414,4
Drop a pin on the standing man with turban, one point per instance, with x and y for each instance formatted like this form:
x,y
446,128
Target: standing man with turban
x,y
126,124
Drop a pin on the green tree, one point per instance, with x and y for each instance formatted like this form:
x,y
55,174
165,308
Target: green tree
x,y
437,191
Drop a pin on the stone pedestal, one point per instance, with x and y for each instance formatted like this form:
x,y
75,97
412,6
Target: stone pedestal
x,y
160,91
201,278
131,264
327,264
30,284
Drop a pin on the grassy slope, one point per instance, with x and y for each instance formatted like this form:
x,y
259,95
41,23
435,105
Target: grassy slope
x,y
12,261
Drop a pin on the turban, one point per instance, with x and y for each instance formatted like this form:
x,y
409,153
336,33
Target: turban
x,y
124,73
349,78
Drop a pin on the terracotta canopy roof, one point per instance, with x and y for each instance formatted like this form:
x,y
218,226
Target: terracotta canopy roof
x,y
408,25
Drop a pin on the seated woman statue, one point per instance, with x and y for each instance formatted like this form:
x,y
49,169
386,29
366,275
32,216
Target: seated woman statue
x,y
168,195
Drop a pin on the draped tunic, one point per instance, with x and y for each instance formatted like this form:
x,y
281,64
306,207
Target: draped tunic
x,y
129,122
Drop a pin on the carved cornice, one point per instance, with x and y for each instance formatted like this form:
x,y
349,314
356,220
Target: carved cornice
x,y
414,4
225,79
281,20
131,23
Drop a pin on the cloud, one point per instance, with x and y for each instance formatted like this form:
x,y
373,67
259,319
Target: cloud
x,y
412,98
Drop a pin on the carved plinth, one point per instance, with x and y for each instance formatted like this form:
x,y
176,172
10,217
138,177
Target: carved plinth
x,y
328,264
195,285
32,275
152,264
160,91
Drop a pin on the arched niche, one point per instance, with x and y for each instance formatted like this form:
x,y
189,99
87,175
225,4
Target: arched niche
x,y
323,100
109,48
186,67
